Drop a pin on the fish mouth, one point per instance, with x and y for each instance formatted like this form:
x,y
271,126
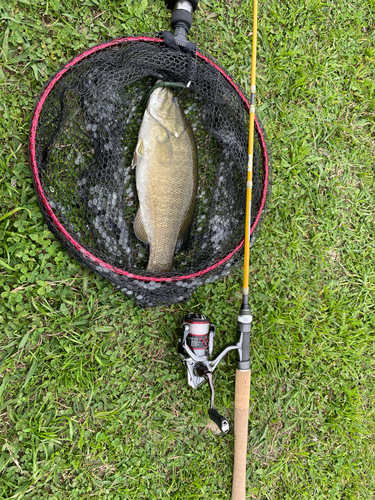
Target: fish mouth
x,y
165,108
160,99
163,93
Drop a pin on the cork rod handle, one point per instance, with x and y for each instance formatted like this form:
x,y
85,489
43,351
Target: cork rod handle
x,y
241,422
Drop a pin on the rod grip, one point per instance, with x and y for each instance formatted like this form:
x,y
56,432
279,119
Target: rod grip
x,y
241,423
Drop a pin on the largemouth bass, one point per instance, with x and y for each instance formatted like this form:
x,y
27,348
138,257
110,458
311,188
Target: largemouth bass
x,y
166,178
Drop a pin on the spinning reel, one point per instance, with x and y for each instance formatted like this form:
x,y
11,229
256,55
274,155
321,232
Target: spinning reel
x,y
195,347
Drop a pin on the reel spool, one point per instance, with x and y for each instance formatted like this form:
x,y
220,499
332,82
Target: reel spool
x,y
201,334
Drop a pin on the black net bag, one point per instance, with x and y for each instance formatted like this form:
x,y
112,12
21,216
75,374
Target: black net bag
x,y
83,134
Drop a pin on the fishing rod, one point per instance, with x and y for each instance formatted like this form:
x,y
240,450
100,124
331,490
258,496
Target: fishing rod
x,y
196,342
243,372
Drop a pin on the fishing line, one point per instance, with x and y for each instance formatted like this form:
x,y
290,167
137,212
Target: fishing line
x,y
175,85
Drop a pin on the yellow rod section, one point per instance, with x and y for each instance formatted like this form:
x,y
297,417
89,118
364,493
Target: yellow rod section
x,y
249,190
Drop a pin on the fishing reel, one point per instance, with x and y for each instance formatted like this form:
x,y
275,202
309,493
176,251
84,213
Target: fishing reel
x,y
195,347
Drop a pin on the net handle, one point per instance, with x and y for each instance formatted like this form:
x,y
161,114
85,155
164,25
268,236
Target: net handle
x,y
172,3
182,18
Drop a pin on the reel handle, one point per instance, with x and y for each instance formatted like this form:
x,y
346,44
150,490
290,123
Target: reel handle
x,y
219,420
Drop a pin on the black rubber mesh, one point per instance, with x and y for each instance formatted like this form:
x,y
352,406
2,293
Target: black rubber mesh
x,y
84,143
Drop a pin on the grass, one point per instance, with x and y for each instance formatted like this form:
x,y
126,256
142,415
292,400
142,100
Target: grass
x,y
93,399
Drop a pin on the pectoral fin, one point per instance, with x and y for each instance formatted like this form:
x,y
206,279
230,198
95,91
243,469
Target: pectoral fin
x,y
139,151
139,228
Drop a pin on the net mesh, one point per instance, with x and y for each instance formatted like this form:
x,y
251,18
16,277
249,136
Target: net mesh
x,y
83,134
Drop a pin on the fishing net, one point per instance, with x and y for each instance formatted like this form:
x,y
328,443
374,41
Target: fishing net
x,y
83,134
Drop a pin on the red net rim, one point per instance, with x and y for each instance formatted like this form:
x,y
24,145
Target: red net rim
x,y
52,215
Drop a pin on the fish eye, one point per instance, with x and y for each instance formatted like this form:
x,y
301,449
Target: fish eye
x,y
174,100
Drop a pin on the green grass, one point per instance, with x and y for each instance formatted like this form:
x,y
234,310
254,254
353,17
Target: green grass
x,y
93,398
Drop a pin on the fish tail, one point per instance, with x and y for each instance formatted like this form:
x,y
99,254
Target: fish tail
x,y
157,269
158,261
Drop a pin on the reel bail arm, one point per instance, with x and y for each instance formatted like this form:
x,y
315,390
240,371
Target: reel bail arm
x,y
195,347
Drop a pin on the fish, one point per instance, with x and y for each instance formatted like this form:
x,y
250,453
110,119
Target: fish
x,y
166,161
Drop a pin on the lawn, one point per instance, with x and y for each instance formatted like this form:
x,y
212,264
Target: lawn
x,y
94,401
